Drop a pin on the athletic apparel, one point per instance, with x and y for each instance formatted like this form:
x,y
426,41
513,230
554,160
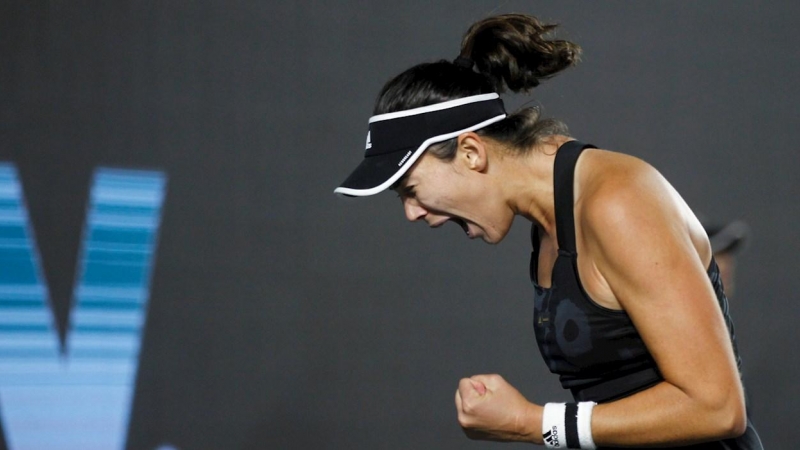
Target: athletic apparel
x,y
597,352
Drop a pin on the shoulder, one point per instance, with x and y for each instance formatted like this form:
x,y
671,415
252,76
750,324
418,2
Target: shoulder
x,y
618,188
630,217
627,208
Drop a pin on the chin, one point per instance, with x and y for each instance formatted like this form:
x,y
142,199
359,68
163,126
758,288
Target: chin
x,y
493,239
496,234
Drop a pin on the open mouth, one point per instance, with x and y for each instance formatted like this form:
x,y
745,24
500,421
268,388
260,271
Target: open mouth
x,y
458,221
462,223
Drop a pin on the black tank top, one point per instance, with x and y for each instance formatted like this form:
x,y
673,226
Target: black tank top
x,y
597,352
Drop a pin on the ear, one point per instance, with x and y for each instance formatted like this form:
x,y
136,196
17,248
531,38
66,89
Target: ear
x,y
472,151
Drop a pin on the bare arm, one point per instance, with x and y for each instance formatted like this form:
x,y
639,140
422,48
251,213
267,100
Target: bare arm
x,y
641,245
638,240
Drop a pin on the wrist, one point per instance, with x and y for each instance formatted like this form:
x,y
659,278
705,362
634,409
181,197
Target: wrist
x,y
530,424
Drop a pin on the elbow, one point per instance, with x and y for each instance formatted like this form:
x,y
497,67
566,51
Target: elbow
x,y
735,423
717,411
729,418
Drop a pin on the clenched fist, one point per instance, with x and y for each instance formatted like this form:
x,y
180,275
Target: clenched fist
x,y
491,409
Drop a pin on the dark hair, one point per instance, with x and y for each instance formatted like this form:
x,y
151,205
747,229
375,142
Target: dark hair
x,y
510,52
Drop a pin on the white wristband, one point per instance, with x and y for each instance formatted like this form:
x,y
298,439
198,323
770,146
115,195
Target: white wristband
x,y
585,425
553,425
568,425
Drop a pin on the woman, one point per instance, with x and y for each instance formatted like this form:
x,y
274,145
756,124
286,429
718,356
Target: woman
x,y
629,309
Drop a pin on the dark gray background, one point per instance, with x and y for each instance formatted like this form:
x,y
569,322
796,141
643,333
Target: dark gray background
x,y
284,317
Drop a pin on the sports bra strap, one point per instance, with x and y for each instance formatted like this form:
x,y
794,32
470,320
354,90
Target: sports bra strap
x,y
563,182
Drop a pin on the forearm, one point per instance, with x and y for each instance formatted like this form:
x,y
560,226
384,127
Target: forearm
x,y
665,414
659,416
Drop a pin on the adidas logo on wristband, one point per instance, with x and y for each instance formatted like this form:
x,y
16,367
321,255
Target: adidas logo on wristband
x,y
551,438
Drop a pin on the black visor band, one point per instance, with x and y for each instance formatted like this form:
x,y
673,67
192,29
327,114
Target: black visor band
x,y
396,140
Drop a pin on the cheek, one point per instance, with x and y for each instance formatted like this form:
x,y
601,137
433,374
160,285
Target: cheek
x,y
441,193
487,204
452,192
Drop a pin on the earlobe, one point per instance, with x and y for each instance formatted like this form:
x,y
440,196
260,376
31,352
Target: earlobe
x,y
473,149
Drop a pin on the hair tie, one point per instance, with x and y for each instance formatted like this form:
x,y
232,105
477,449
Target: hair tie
x,y
463,61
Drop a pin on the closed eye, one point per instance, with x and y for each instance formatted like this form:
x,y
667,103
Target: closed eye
x,y
400,187
404,191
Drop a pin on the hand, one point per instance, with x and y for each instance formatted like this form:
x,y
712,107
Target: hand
x,y
491,409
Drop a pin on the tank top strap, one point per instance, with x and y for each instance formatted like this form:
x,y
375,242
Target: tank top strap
x,y
563,185
533,267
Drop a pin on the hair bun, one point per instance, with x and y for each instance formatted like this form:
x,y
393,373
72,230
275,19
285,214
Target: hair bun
x,y
513,52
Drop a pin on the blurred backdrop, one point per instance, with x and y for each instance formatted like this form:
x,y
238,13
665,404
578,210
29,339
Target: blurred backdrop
x,y
188,152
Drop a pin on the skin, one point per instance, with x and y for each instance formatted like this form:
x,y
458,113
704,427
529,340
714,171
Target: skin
x,y
640,249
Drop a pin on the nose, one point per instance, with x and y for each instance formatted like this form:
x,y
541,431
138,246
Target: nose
x,y
414,211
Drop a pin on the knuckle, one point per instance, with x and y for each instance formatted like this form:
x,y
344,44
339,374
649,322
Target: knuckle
x,y
495,378
464,420
468,407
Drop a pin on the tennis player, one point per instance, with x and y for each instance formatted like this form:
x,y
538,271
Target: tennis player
x,y
628,306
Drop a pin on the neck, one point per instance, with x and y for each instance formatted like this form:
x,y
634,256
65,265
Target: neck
x,y
529,182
